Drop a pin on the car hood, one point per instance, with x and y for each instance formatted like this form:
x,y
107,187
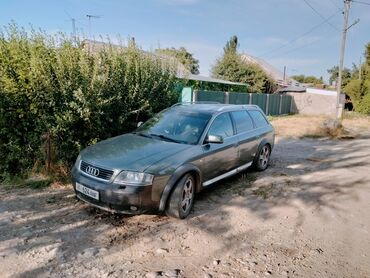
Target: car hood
x,y
130,152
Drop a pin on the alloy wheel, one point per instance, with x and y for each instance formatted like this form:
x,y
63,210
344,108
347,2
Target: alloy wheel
x,y
264,156
187,195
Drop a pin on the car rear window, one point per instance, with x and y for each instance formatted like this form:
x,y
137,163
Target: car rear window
x,y
242,121
258,118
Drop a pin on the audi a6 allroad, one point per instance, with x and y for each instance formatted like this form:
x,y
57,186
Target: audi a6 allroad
x,y
171,157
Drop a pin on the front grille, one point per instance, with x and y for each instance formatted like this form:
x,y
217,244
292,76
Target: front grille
x,y
96,172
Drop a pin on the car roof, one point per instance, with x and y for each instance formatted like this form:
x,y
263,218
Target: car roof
x,y
211,108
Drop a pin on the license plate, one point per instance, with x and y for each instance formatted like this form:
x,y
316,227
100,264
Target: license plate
x,y
87,191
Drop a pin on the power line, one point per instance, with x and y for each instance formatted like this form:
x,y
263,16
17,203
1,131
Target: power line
x,y
299,37
319,14
335,4
361,2
297,48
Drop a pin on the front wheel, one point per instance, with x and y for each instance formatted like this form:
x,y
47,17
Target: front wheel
x,y
262,159
182,198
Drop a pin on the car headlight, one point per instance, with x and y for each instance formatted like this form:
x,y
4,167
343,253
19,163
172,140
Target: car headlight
x,y
134,178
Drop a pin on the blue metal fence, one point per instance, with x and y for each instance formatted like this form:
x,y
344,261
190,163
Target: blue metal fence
x,y
275,104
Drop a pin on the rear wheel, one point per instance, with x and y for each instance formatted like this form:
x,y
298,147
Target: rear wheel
x,y
261,161
182,198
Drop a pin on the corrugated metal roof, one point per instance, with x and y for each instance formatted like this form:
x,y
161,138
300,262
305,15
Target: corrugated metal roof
x,y
270,70
294,89
209,79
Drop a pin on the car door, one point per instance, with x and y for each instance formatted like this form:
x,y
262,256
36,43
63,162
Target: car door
x,y
247,136
220,158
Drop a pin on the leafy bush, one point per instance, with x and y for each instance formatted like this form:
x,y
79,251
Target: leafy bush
x,y
359,89
51,86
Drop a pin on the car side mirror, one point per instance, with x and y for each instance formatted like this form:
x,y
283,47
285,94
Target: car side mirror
x,y
215,139
139,124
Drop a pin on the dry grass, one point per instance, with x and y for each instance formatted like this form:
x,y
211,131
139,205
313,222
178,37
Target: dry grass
x,y
356,123
299,126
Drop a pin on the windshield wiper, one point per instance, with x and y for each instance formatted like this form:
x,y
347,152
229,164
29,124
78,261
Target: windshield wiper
x,y
165,138
142,134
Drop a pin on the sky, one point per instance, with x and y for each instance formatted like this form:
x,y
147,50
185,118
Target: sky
x,y
292,33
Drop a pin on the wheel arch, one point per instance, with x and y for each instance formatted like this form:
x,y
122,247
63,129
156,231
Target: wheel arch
x,y
263,142
176,176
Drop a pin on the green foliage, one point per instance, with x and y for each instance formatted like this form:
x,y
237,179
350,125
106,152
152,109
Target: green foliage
x,y
334,72
232,67
213,86
358,89
232,45
36,182
183,56
53,85
308,79
300,78
313,80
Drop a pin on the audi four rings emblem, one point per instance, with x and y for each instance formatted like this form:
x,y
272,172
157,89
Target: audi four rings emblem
x,y
92,171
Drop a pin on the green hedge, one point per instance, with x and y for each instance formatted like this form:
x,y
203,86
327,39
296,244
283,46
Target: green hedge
x,y
53,85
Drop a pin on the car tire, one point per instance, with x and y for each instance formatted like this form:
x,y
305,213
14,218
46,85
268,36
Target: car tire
x,y
182,198
262,159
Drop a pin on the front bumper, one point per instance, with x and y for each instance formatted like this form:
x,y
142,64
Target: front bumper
x,y
116,198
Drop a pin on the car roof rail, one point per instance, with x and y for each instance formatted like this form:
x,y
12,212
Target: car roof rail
x,y
196,102
251,105
206,102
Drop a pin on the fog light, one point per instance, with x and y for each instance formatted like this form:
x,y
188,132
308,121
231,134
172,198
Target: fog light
x,y
133,208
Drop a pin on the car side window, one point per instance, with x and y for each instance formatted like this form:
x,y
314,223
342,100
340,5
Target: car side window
x,y
258,118
222,126
242,121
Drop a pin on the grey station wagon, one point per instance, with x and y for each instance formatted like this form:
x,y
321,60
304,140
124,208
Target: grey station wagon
x,y
174,155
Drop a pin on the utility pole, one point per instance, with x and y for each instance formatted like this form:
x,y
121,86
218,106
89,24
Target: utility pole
x,y
347,6
360,69
284,76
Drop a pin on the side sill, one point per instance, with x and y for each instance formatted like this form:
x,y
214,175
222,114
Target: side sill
x,y
227,174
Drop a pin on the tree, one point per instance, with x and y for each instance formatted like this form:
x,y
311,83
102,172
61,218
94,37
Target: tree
x,y
300,78
308,79
334,72
358,89
230,66
183,56
232,45
312,80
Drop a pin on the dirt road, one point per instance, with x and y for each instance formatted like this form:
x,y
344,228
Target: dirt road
x,y
308,215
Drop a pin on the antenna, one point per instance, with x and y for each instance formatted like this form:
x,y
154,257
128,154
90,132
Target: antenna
x,y
74,34
74,29
90,16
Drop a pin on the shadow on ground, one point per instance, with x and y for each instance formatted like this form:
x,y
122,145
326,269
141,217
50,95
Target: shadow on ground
x,y
51,229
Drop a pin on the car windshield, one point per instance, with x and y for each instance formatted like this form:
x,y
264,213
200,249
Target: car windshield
x,y
176,126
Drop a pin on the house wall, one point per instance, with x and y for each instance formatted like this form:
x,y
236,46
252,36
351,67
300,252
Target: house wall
x,y
315,103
